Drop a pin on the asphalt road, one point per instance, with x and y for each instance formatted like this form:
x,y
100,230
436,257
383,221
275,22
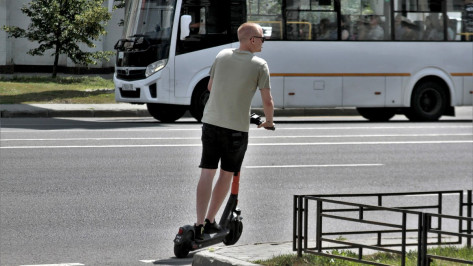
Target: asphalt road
x,y
114,191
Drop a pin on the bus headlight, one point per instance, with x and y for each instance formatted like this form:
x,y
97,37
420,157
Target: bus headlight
x,y
155,67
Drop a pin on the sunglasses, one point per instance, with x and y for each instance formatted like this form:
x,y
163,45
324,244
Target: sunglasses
x,y
262,38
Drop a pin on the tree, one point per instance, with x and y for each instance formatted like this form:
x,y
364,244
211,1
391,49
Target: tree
x,y
63,25
119,3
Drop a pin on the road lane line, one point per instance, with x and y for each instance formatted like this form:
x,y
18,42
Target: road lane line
x,y
101,139
59,264
364,143
6,129
312,166
250,144
436,195
251,137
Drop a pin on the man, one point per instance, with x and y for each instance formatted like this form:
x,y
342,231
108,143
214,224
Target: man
x,y
234,77
375,31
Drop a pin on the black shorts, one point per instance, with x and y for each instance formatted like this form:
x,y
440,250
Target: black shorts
x,y
225,145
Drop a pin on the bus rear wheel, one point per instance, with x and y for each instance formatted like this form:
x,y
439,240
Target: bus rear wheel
x,y
428,102
376,114
167,113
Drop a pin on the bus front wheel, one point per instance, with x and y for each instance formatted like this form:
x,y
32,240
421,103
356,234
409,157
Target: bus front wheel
x,y
376,114
166,113
428,102
200,96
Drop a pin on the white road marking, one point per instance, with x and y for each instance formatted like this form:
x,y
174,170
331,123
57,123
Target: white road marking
x,y
313,165
436,194
60,264
148,261
251,137
364,143
6,129
100,139
250,144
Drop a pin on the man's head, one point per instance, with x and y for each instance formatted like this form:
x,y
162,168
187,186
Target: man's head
x,y
251,37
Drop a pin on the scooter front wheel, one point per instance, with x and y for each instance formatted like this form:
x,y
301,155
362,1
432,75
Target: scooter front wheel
x,y
183,249
236,228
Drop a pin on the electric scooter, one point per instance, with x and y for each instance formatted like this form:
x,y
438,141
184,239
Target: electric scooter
x,y
230,222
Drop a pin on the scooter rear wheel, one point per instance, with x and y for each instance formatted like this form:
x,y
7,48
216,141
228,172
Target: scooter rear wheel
x,y
236,228
183,249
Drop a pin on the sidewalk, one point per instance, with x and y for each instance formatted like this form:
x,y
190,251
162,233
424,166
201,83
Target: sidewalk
x,y
132,110
241,254
245,255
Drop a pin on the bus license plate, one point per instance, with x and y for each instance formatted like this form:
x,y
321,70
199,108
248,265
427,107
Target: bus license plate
x,y
128,87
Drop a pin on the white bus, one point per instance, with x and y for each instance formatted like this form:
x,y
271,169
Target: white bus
x,y
384,57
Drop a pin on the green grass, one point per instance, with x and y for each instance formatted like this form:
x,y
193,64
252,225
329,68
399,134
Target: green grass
x,y
84,90
384,258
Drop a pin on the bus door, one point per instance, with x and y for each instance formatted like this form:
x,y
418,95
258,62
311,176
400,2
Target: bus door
x,y
205,28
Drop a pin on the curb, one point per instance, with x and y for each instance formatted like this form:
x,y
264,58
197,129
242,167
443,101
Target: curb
x,y
130,110
73,113
210,258
72,110
242,254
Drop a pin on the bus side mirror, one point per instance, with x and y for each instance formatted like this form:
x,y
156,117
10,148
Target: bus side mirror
x,y
185,23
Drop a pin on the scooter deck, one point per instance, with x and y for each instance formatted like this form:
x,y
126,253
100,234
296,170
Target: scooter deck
x,y
210,239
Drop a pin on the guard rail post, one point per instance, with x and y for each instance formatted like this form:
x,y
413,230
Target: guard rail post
x,y
469,208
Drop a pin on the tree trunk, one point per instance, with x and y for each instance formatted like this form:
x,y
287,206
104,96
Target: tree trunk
x,y
56,61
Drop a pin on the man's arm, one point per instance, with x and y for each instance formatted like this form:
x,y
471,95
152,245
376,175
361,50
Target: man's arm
x,y
268,106
209,86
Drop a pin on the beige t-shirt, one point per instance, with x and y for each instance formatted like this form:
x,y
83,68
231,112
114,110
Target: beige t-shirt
x,y
235,76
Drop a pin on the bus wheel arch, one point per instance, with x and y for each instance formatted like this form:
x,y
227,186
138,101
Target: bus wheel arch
x,y
376,114
430,99
166,113
200,96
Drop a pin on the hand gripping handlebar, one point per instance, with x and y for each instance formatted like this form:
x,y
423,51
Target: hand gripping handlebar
x,y
256,119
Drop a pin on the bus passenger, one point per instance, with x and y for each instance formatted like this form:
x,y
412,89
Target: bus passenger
x,y
326,31
346,28
409,30
398,29
375,32
433,27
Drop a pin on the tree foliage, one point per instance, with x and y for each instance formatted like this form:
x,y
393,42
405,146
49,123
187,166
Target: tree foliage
x,y
119,3
65,26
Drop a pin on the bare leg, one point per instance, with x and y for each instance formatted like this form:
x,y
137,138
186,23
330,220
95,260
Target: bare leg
x,y
219,193
204,191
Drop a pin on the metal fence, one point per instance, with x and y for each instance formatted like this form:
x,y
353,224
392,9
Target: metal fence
x,y
418,225
427,228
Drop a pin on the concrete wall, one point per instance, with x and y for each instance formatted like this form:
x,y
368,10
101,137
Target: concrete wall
x,y
14,51
3,36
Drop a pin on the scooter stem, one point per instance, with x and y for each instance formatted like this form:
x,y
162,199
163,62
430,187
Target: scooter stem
x,y
232,202
236,183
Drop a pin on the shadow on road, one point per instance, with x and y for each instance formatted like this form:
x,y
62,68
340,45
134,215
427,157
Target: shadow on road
x,y
53,95
175,261
86,123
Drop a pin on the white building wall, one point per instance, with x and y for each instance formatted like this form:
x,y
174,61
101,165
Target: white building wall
x,y
14,51
3,35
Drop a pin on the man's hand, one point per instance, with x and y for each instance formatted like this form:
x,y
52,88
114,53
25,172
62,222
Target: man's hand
x,y
267,125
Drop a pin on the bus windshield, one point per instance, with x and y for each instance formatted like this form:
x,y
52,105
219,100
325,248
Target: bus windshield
x,y
149,18
146,39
